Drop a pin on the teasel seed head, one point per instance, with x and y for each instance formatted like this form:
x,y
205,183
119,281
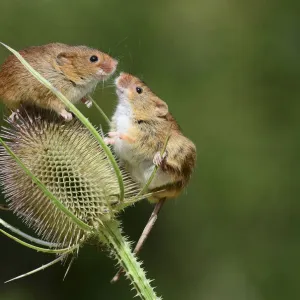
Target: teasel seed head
x,y
67,159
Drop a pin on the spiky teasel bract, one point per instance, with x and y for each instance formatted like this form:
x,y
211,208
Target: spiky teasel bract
x,y
71,164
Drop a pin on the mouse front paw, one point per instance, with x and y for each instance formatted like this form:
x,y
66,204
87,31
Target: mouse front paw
x,y
109,141
66,115
112,137
159,159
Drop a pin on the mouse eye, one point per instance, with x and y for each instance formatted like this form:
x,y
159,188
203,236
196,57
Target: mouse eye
x,y
94,58
139,90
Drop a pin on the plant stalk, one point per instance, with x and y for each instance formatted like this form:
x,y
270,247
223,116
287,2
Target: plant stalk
x,y
110,234
105,117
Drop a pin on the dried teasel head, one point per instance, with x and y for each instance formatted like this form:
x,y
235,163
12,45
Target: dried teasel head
x,y
67,159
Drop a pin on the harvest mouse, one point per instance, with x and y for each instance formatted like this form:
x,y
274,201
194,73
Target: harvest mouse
x,y
73,70
139,128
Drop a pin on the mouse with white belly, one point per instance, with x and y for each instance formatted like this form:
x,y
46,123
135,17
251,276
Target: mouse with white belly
x,y
73,70
139,129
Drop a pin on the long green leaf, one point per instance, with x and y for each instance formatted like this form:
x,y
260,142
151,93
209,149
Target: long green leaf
x,y
39,249
27,236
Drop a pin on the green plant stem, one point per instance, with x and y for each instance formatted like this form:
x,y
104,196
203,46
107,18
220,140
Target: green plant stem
x,y
77,113
105,117
110,234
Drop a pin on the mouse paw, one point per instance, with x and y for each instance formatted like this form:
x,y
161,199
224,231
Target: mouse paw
x,y
159,159
122,136
109,141
112,137
66,115
114,134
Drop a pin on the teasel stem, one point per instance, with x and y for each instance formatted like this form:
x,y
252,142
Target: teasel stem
x,y
110,233
77,113
144,235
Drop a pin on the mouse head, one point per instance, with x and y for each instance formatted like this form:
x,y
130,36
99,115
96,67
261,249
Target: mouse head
x,y
83,65
143,102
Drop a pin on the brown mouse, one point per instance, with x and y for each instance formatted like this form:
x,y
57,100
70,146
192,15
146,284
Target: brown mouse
x,y
139,128
73,70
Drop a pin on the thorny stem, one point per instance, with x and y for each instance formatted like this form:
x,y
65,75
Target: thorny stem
x,y
144,234
110,234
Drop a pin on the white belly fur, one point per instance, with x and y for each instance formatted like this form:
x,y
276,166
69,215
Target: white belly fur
x,y
123,116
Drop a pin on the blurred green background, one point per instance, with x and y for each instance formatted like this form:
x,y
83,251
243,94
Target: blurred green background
x,y
229,71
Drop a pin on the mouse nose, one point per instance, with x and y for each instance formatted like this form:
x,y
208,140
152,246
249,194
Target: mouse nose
x,y
109,65
124,80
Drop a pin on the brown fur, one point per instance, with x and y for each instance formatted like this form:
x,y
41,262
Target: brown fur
x,y
68,68
151,124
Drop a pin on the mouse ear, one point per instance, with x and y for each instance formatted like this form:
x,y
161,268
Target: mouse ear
x,y
161,108
64,58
